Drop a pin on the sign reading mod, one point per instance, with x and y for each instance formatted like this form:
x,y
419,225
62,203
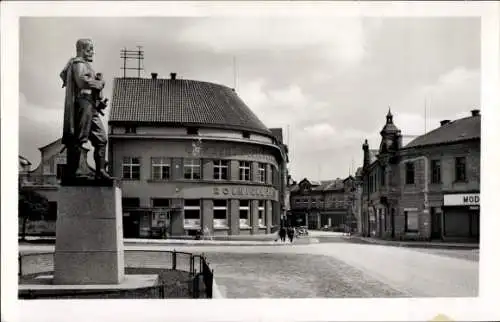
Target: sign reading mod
x,y
470,199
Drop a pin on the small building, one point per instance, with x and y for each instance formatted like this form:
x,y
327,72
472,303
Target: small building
x,y
324,204
428,189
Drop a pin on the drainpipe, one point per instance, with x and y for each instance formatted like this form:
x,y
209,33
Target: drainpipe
x,y
426,181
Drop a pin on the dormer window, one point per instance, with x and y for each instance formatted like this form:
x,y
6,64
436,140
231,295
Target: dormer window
x,y
192,131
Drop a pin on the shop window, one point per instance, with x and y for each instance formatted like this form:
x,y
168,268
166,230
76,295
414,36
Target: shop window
x,y
192,213
411,221
244,213
436,171
220,213
244,170
262,213
410,173
131,168
221,169
262,173
160,168
192,169
460,169
192,131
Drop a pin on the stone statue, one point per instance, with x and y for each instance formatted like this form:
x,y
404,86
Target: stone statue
x,y
82,105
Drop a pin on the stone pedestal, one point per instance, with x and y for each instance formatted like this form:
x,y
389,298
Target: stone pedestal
x,y
89,236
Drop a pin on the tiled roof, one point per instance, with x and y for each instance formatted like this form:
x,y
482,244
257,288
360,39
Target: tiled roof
x,y
181,102
455,131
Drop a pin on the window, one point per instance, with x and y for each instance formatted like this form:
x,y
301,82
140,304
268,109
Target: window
x,y
410,173
262,173
52,212
131,168
411,221
245,170
244,213
436,171
271,174
161,203
192,169
246,135
220,213
382,176
460,173
192,213
192,131
160,168
130,129
221,169
130,202
262,213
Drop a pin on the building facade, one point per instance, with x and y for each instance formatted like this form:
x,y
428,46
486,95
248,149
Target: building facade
x,y
428,189
192,156
329,204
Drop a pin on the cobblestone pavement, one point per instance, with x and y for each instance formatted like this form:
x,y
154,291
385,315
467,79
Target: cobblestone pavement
x,y
292,276
327,269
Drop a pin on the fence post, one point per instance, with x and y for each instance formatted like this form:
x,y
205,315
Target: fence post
x,y
174,260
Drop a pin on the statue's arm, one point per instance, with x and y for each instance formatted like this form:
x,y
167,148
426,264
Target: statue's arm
x,y
84,79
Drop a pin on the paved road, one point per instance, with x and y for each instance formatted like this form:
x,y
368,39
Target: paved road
x,y
338,269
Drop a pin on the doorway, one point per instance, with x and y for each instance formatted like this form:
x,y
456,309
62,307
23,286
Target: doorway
x,y
393,228
436,224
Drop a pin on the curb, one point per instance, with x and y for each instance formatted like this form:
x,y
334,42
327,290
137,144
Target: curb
x,y
410,245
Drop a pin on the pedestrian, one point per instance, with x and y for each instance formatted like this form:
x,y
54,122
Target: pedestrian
x,y
283,234
291,233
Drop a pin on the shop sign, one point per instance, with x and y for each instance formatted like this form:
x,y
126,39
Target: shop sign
x,y
471,199
245,191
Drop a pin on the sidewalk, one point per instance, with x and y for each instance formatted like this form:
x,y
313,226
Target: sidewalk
x,y
260,240
418,244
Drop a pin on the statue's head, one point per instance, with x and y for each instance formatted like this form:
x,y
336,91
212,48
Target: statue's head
x,y
85,49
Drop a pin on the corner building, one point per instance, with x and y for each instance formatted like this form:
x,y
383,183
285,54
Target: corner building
x,y
192,156
428,189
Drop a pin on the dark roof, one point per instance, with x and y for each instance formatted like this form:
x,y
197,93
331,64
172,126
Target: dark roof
x,y
181,102
278,134
323,185
459,130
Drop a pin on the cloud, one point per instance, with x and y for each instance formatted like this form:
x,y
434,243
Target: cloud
x,y
340,40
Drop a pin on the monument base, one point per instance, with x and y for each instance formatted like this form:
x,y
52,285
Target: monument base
x,y
43,287
89,236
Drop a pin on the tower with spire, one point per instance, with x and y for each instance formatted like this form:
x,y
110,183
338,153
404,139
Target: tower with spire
x,y
391,135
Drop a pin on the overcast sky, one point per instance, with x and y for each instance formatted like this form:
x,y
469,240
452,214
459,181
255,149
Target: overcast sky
x,y
330,80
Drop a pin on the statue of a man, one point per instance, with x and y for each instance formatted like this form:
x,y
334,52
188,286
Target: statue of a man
x,y
82,106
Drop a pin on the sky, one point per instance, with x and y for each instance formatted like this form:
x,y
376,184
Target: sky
x,y
328,82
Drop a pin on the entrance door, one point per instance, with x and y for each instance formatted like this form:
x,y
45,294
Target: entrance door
x,y
130,225
436,224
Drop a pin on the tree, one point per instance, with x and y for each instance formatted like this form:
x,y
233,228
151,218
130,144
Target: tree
x,y
32,206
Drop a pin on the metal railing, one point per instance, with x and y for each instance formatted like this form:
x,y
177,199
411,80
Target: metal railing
x,y
198,284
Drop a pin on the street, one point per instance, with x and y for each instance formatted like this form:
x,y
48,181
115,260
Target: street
x,y
327,269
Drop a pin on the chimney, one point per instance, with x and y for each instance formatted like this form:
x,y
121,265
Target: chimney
x,y
475,112
366,154
444,122
154,75
173,76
